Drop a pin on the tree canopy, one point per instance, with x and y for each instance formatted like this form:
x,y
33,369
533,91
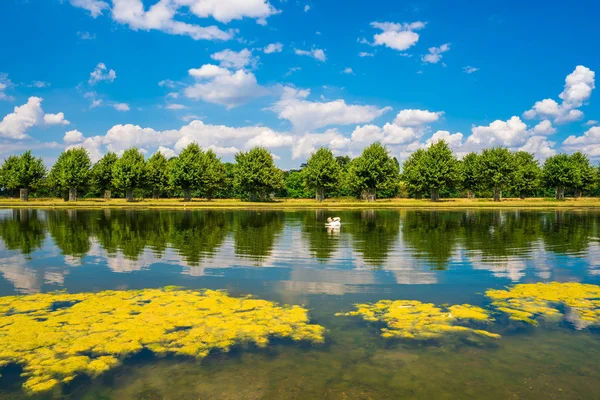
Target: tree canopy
x,y
72,171
495,169
527,174
157,173
102,173
256,175
129,171
322,172
186,169
438,168
373,170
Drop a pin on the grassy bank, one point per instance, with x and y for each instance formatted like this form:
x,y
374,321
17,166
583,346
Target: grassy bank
x,y
305,203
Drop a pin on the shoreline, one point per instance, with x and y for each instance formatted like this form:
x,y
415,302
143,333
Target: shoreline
x,y
534,203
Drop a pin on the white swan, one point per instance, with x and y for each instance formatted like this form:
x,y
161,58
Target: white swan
x,y
333,222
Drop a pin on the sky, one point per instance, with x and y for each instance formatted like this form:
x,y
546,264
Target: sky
x,y
294,76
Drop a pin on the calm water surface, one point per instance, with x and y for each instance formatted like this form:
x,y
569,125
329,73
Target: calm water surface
x,y
290,257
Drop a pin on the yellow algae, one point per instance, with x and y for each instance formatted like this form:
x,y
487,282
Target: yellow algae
x,y
411,319
530,302
57,336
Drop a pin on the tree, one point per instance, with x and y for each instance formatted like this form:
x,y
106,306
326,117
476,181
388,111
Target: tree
x,y
72,171
322,172
186,172
129,172
373,170
439,168
157,174
24,172
412,174
102,177
256,174
582,173
527,174
467,174
214,175
495,169
557,173
295,187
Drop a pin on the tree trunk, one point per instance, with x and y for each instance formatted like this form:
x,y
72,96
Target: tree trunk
x,y
418,195
129,194
107,195
371,194
187,194
24,194
209,196
435,194
320,194
72,194
470,194
560,193
65,195
155,194
497,193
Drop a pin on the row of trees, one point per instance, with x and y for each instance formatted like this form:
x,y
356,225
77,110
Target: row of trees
x,y
433,171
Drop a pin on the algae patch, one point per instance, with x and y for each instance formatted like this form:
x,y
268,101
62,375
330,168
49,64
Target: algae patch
x,y
530,302
411,319
57,336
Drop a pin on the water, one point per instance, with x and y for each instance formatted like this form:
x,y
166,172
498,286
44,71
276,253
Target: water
x,y
290,257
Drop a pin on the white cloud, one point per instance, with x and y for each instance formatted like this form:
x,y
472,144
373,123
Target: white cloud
x,y
270,139
95,7
307,144
221,86
55,119
190,117
544,128
397,36
365,54
273,48
588,143
307,115
411,117
101,73
435,53
454,140
30,114
175,106
73,136
165,151
121,106
317,54
348,71
167,83
578,88
4,84
499,133
39,84
86,35
469,70
539,146
96,103
235,60
306,8
228,10
292,70
592,122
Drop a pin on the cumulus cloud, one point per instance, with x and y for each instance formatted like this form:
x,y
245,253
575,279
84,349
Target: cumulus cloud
x,y
397,36
219,85
588,143
4,84
236,60
577,90
308,115
454,140
411,117
161,15
121,106
469,70
435,54
273,48
540,146
30,114
544,128
348,71
317,54
307,144
101,73
86,35
73,136
499,133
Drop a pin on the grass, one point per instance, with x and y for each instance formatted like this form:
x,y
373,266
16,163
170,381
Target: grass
x,y
587,202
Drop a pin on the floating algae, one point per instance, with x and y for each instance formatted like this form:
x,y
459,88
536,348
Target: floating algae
x,y
56,337
529,302
411,319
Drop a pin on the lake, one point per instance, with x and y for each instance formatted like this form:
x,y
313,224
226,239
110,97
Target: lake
x,y
290,257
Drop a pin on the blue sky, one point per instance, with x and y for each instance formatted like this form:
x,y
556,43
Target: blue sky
x,y
296,75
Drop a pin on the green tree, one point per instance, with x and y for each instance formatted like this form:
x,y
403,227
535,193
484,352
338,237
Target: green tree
x,y
557,174
72,171
186,172
295,187
412,175
24,172
129,172
157,174
527,174
102,174
468,174
582,173
322,172
256,175
214,175
439,168
373,170
495,169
